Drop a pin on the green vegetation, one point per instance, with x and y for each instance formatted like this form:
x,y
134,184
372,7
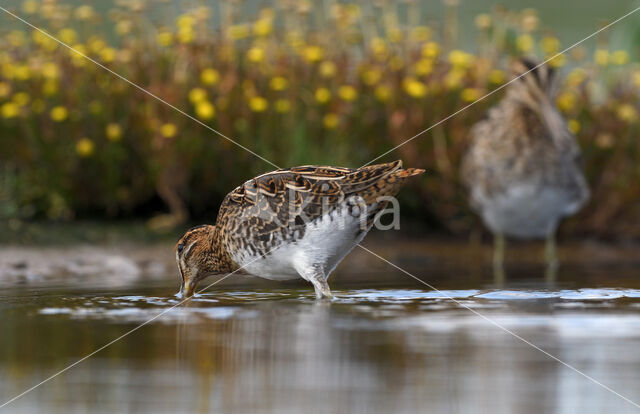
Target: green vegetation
x,y
79,142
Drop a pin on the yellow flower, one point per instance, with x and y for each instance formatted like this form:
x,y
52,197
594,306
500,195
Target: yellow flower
x,y
379,48
209,76
312,53
483,21
423,67
550,45
258,104
431,50
255,54
84,147
414,87
59,113
76,57
8,70
382,93
620,57
44,41
9,110
22,72
470,94
558,61
453,80
30,6
185,21
238,31
627,112
576,77
5,89
566,101
601,57
460,59
185,35
330,121
205,110
282,106
68,35
574,126
197,95
108,54
347,93
96,44
84,12
21,98
164,38
168,130
262,27
371,76
524,43
497,77
322,95
113,132
294,40
394,34
49,88
420,34
124,27
50,70
327,69
278,83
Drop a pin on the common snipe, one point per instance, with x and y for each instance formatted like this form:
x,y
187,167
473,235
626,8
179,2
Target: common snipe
x,y
290,223
522,168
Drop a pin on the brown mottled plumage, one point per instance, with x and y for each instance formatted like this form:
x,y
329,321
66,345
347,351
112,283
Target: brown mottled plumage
x,y
523,164
297,222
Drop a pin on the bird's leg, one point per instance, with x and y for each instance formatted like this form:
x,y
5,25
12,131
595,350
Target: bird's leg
x,y
551,258
498,259
316,276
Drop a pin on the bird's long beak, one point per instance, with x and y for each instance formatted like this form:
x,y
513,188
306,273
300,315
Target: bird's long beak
x,y
187,289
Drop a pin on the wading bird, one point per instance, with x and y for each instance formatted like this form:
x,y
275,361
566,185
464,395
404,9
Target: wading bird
x,y
290,223
522,168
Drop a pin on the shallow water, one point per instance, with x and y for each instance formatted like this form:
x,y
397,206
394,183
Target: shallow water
x,y
397,347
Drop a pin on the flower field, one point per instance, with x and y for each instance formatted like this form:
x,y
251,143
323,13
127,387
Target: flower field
x,y
297,83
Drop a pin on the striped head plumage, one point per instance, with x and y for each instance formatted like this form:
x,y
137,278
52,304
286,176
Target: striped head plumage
x,y
535,87
197,257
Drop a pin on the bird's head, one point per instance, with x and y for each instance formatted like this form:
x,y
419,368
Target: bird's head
x,y
194,256
538,82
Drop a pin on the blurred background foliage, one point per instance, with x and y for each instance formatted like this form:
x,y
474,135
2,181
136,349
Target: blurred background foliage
x,y
298,82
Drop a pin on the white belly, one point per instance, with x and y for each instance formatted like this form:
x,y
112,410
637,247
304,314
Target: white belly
x,y
326,241
526,211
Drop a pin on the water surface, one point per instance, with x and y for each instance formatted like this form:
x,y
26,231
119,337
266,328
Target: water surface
x,y
392,346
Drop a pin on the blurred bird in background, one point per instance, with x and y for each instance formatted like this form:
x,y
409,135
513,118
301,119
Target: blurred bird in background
x,y
522,168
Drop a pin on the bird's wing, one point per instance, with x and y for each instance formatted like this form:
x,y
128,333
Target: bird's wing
x,y
282,200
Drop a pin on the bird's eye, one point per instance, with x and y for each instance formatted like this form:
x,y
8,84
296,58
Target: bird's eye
x,y
180,247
